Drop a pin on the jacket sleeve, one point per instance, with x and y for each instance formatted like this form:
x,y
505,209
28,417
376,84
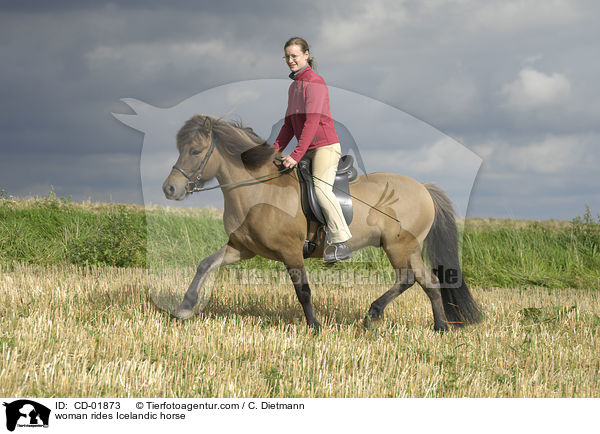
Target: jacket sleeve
x,y
285,135
315,98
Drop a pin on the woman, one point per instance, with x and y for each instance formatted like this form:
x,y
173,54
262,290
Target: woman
x,y
308,118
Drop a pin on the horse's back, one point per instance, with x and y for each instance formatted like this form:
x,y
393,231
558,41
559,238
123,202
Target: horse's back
x,y
386,200
379,177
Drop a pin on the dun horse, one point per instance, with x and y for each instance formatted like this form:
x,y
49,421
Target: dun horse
x,y
263,216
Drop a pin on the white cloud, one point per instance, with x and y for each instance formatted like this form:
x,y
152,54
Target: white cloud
x,y
533,89
531,59
435,158
443,155
552,155
361,27
485,151
508,16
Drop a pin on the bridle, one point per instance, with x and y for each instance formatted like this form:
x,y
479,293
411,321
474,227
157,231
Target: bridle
x,y
194,179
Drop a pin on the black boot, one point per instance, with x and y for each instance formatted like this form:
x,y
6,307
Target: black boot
x,y
336,252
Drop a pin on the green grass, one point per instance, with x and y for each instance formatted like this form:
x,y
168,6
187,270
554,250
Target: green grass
x,y
535,254
54,231
182,240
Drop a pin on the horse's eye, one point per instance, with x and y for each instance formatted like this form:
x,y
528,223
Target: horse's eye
x,y
195,152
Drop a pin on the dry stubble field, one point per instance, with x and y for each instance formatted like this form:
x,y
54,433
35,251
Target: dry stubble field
x,y
94,332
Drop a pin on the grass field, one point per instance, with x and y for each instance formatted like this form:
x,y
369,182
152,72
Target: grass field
x,y
502,253
71,329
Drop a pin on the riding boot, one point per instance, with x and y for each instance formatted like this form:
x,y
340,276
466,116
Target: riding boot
x,y
335,252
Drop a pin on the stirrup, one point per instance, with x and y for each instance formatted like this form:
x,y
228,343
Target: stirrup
x,y
340,252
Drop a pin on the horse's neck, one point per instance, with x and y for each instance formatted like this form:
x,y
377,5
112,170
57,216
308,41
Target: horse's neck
x,y
232,173
281,192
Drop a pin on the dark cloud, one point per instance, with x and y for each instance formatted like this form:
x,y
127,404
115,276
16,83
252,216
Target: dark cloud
x,y
101,177
234,7
66,65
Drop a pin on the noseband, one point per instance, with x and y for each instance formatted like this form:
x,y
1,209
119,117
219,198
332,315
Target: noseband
x,y
194,179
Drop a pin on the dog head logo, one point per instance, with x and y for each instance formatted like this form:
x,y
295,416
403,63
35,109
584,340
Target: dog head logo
x,y
26,413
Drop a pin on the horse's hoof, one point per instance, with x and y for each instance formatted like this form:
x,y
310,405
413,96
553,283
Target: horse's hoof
x,y
441,329
184,314
315,327
368,322
372,317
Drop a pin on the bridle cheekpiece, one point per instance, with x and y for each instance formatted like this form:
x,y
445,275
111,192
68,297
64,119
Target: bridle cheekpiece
x,y
194,178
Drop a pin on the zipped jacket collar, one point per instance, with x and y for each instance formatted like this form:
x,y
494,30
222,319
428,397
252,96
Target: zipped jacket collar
x,y
294,75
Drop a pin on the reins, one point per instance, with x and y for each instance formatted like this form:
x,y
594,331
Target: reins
x,y
244,182
194,179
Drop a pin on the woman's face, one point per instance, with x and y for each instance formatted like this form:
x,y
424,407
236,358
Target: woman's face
x,y
295,58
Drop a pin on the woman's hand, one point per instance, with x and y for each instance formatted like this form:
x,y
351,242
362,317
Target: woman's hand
x,y
288,162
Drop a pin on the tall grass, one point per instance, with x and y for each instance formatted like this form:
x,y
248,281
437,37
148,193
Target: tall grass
x,y
494,254
54,231
534,254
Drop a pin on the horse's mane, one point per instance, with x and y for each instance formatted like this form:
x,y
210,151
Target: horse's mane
x,y
232,137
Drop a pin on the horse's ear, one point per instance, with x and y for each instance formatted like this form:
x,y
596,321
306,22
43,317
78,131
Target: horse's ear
x,y
207,125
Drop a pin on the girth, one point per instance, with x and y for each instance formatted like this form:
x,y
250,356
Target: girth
x,y
346,172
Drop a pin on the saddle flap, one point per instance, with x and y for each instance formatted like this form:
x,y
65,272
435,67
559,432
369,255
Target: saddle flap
x,y
310,206
341,189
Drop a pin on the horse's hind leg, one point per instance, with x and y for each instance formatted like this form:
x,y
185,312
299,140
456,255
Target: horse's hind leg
x,y
431,285
224,256
404,280
377,307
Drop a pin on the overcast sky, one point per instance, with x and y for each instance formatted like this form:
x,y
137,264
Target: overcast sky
x,y
513,81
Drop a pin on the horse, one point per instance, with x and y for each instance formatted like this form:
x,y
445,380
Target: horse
x,y
263,216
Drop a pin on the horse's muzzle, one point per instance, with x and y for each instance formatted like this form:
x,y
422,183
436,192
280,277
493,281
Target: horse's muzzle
x,y
172,192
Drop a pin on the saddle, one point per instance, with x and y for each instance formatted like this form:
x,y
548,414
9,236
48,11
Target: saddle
x,y
346,173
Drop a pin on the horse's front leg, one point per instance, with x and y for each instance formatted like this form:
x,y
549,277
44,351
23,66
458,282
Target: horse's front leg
x,y
224,256
300,281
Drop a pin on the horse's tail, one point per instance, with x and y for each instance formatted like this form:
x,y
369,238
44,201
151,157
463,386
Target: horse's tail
x,y
441,249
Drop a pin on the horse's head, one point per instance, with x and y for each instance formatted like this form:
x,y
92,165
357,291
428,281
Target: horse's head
x,y
209,147
198,160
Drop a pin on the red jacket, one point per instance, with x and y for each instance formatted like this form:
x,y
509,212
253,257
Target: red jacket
x,y
308,116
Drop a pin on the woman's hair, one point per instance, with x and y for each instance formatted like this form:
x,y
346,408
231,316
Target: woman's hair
x,y
303,46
